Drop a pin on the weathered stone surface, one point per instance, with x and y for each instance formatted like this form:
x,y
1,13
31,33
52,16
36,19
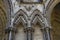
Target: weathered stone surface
x,y
37,34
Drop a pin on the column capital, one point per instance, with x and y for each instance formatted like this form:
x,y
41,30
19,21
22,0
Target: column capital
x,y
30,29
8,29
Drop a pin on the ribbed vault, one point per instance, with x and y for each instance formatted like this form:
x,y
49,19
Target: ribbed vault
x,y
55,20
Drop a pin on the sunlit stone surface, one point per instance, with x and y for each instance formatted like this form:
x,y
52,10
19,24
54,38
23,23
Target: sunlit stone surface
x,y
38,35
20,35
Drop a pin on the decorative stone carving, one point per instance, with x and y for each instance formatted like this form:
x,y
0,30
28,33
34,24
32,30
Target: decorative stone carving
x,y
28,15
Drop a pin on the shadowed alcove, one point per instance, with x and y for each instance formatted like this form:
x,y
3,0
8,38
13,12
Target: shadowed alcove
x,y
55,21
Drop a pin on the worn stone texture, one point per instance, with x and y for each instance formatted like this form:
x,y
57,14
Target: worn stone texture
x,y
37,34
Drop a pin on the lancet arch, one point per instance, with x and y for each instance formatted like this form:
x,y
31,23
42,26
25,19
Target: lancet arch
x,y
20,21
37,23
37,17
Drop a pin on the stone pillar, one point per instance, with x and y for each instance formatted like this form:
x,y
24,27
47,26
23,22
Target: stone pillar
x,y
47,33
29,33
47,30
42,29
10,31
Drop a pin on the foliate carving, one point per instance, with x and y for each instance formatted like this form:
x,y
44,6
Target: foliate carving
x,y
29,7
8,29
28,29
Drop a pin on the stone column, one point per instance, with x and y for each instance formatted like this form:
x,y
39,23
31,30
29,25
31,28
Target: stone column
x,y
46,33
47,30
29,33
10,31
43,31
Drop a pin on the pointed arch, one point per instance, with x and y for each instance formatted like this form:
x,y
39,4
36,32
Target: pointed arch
x,y
37,17
55,22
49,11
20,16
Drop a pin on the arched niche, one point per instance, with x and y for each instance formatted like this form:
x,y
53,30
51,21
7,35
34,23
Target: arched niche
x,y
38,33
55,22
20,35
37,26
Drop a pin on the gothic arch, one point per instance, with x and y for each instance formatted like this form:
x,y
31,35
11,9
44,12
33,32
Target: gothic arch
x,y
51,14
20,16
36,16
50,9
55,17
20,20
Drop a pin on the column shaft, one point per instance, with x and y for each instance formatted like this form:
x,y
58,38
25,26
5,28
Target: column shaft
x,y
10,36
48,33
29,35
29,32
10,31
